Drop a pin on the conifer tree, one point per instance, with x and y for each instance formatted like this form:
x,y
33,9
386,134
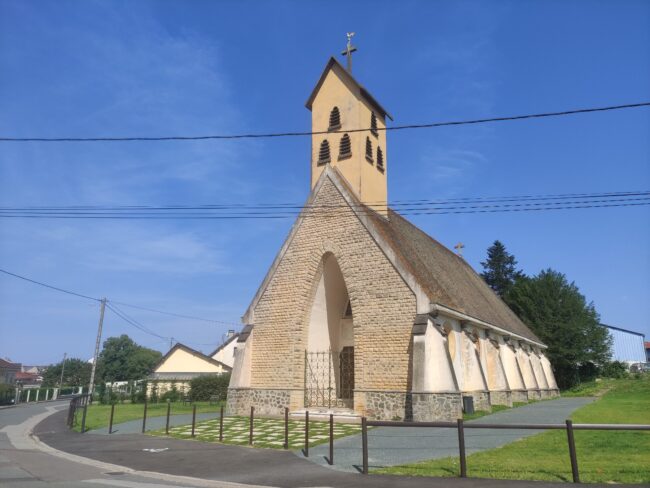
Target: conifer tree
x,y
500,269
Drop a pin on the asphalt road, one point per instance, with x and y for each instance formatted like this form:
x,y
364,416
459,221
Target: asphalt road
x,y
55,456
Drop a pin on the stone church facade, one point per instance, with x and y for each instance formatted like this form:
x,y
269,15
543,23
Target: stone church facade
x,y
361,312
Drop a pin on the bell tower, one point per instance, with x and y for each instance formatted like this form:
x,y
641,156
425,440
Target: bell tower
x,y
349,133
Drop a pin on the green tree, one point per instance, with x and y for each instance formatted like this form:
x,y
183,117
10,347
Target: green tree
x,y
75,373
500,269
122,359
204,387
561,317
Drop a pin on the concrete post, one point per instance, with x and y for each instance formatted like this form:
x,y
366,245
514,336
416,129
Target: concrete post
x,y
38,392
28,395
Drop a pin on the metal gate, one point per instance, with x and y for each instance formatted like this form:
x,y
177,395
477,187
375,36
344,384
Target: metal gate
x,y
329,378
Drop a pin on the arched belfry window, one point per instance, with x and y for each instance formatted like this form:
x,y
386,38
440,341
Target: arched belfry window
x,y
380,159
335,119
345,147
373,124
324,153
369,150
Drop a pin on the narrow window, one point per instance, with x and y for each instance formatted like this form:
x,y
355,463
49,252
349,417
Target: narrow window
x,y
324,153
369,149
335,119
345,148
380,159
373,124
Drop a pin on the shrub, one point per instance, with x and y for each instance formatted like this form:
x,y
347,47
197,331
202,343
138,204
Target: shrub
x,y
614,369
172,395
204,387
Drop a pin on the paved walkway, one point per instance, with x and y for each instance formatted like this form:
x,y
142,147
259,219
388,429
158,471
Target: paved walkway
x,y
155,423
269,467
389,446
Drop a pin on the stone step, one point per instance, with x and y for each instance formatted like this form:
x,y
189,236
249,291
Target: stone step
x,y
341,415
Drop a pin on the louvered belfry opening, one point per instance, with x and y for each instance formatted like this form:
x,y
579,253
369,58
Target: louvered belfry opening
x,y
373,124
335,119
345,147
324,153
369,150
380,159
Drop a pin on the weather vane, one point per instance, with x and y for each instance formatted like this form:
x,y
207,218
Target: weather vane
x,y
349,50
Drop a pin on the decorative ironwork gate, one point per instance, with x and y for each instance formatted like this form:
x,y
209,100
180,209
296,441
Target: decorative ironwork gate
x,y
329,378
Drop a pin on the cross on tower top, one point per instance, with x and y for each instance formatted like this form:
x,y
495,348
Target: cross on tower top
x,y
349,49
459,248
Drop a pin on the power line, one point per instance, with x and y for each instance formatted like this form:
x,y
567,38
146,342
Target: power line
x,y
113,302
133,322
49,286
310,133
640,199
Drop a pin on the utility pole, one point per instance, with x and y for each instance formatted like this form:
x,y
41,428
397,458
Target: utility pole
x,y
99,340
62,370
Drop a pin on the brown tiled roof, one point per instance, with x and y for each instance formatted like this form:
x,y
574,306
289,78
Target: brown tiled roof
x,y
446,277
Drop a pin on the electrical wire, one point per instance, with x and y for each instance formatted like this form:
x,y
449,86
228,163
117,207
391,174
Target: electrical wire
x,y
311,133
50,286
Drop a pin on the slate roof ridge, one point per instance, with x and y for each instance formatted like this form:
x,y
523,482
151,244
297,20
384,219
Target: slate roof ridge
x,y
224,344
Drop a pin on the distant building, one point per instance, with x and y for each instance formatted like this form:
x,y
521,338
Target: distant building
x,y
627,345
179,366
647,352
29,380
225,353
8,371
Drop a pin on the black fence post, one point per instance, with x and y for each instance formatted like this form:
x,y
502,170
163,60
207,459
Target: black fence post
x,y
144,416
250,432
221,425
193,418
331,459
461,449
286,427
306,449
83,418
110,421
169,409
572,451
364,446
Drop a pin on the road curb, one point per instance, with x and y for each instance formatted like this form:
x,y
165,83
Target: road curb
x,y
201,482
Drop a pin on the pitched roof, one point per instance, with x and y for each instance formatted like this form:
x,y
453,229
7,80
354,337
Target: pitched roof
x,y
227,341
194,352
332,63
446,277
4,363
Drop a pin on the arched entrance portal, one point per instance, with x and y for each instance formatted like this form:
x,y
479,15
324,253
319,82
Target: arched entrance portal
x,y
329,358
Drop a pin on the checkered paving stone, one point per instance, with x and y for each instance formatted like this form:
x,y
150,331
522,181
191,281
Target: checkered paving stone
x,y
267,433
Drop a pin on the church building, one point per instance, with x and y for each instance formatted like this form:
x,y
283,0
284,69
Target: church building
x,y
361,312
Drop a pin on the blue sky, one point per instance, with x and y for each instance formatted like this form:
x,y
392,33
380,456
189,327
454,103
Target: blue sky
x,y
174,67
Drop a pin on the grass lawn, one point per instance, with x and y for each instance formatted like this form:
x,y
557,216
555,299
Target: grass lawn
x,y
619,457
98,415
268,433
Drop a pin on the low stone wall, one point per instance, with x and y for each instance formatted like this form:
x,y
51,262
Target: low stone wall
x,y
501,398
481,400
419,407
519,396
265,401
534,395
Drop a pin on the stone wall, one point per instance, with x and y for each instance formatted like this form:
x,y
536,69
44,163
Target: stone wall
x,y
519,396
383,306
534,395
481,400
418,407
501,398
266,402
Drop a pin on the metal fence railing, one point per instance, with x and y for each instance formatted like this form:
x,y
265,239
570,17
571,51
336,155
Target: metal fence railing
x,y
460,426
79,402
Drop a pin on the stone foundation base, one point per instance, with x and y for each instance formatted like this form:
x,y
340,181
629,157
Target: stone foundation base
x,y
501,398
519,396
266,402
481,400
418,407
534,395
549,393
